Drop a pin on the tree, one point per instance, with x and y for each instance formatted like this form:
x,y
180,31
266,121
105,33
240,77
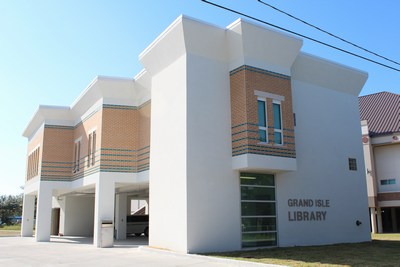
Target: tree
x,y
10,206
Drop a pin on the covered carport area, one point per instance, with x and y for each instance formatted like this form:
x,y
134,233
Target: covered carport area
x,y
78,213
129,199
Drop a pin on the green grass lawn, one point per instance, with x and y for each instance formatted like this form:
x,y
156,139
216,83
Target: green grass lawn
x,y
384,250
10,230
11,227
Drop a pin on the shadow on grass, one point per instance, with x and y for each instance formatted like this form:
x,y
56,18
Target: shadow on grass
x,y
374,253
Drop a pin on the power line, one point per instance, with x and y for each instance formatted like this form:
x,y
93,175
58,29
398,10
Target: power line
x,y
331,34
298,34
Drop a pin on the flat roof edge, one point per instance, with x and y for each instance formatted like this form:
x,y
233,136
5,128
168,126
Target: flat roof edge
x,y
337,64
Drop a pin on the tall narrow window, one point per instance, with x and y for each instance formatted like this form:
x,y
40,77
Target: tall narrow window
x,y
77,156
89,153
352,164
33,163
262,120
91,149
277,122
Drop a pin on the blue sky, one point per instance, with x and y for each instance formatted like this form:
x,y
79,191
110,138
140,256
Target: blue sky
x,y
51,50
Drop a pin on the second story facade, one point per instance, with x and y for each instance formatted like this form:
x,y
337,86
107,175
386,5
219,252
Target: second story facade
x,y
243,129
106,129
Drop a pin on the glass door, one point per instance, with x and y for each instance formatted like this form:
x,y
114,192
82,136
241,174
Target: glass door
x,y
258,210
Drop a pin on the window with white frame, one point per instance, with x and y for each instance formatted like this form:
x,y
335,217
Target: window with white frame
x,y
276,124
262,120
77,155
276,106
91,149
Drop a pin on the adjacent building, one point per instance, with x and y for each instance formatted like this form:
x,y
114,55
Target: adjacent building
x,y
380,123
235,137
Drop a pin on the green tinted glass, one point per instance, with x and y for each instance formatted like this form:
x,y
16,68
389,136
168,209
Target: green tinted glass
x,y
257,193
277,138
277,116
258,224
258,240
263,135
257,208
261,114
257,179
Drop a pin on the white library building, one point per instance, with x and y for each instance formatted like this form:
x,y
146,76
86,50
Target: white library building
x,y
234,138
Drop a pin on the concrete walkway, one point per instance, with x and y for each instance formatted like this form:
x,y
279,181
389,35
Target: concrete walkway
x,y
73,251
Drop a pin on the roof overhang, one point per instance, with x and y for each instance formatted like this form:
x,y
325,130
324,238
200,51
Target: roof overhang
x,y
328,74
108,90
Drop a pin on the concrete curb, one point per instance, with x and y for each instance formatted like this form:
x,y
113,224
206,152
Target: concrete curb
x,y
238,263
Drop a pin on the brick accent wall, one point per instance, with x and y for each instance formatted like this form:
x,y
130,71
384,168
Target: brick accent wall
x,y
57,153
126,138
93,122
122,144
120,138
244,81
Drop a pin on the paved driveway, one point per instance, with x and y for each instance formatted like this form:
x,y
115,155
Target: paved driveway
x,y
68,251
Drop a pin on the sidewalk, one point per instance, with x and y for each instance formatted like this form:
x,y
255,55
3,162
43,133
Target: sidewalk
x,y
70,251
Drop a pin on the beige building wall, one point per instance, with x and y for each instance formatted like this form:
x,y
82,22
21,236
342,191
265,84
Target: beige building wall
x,y
122,144
57,153
82,130
120,139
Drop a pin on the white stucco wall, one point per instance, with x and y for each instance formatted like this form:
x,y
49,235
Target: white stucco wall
x,y
213,195
387,166
168,187
192,180
327,134
77,215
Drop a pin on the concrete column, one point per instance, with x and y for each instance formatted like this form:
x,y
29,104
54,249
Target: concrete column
x,y
120,215
28,210
103,207
62,203
129,206
394,219
373,220
379,219
147,206
43,213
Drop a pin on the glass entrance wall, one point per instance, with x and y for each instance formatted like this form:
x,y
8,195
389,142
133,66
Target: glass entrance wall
x,y
258,210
